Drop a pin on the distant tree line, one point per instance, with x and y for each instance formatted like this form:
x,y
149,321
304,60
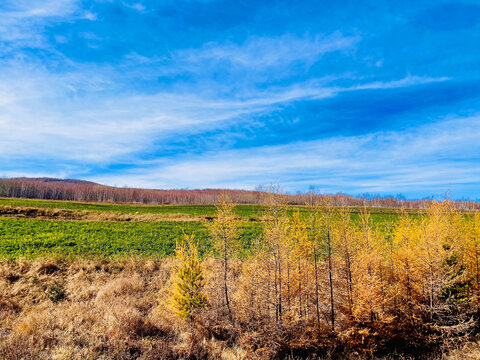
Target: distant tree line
x,y
78,190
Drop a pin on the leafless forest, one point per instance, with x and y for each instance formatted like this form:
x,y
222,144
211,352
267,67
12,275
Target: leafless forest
x,y
78,190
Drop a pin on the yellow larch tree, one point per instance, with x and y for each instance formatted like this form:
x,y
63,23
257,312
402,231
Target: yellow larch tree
x,y
301,255
276,240
473,251
405,258
368,282
224,231
188,297
344,233
439,252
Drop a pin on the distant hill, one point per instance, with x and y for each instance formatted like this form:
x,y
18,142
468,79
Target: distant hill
x,y
55,180
87,191
81,190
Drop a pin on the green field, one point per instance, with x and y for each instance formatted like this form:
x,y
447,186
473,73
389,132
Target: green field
x,y
33,237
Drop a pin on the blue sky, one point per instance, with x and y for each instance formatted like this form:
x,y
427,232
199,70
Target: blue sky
x,y
351,96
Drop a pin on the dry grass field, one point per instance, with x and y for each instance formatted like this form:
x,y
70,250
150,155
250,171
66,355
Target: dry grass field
x,y
113,309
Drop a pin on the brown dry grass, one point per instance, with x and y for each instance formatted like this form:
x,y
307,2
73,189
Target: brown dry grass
x,y
108,310
85,215
111,309
114,309
469,351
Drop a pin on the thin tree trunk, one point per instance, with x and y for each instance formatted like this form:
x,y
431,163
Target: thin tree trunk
x,y
288,286
276,292
409,286
316,286
330,278
348,272
300,304
430,265
477,268
307,297
225,286
382,288
252,297
279,284
349,286
476,254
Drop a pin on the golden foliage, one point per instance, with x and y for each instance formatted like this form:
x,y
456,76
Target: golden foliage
x,y
188,281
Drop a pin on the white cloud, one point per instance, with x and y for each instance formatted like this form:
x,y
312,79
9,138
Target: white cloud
x,y
23,21
81,116
135,6
419,159
257,54
22,9
406,81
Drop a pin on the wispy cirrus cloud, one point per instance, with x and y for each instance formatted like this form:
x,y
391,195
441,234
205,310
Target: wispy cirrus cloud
x,y
407,161
250,64
260,53
48,8
99,128
24,21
